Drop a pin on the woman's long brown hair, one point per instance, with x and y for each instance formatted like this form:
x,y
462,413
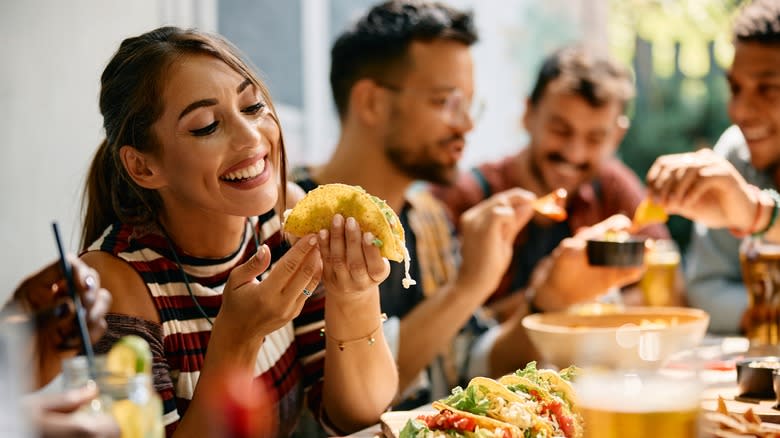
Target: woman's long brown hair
x,y
130,102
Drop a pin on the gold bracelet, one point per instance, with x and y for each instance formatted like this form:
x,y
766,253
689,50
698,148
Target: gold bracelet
x,y
369,338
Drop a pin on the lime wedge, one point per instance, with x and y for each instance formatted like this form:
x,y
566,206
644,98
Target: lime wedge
x,y
129,356
130,418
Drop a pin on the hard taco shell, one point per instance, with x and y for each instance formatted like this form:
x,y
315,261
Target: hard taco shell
x,y
316,210
482,421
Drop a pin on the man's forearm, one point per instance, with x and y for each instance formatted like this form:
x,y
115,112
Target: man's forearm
x,y
512,348
431,326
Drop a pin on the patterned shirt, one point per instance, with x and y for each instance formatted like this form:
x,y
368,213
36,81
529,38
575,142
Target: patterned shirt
x,y
290,359
615,190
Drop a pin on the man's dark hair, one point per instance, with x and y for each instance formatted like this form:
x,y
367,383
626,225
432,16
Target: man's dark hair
x,y
376,45
581,70
759,22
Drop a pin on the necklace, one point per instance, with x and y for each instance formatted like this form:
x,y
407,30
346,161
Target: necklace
x,y
184,274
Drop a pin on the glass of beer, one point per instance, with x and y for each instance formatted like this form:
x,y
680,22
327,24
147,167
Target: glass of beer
x,y
760,261
662,260
631,405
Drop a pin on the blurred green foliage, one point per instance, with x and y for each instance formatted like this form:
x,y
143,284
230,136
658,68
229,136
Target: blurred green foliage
x,y
678,50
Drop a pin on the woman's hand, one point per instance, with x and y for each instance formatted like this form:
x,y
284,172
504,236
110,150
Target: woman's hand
x,y
43,297
54,415
705,187
351,262
252,309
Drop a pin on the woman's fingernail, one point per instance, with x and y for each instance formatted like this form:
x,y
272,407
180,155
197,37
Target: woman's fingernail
x,y
368,238
313,240
323,235
90,282
338,220
351,224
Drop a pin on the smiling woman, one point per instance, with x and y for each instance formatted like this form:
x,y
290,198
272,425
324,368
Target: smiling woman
x,y
181,224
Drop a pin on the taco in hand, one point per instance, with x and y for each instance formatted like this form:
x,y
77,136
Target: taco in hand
x,y
316,210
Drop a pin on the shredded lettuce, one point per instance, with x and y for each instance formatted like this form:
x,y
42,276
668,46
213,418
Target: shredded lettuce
x,y
377,242
518,388
569,373
529,372
413,429
468,400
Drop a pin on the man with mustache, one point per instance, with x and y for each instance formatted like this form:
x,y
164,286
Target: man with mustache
x,y
402,81
575,122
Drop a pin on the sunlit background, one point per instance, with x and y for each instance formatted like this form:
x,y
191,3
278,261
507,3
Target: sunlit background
x,y
53,53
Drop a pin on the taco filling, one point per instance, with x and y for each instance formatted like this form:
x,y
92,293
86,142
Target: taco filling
x,y
447,423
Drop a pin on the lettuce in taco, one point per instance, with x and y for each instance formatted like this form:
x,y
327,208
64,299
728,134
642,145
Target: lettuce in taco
x,y
486,397
553,395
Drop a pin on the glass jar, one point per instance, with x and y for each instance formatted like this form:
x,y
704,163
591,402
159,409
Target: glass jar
x,y
662,261
131,400
760,262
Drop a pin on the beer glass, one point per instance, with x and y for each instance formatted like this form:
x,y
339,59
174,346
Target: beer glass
x,y
638,405
662,260
760,262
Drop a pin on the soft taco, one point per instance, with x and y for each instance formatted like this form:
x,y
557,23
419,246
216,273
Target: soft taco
x,y
316,210
454,423
552,394
486,397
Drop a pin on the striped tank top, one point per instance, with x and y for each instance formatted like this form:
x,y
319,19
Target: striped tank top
x,y
290,360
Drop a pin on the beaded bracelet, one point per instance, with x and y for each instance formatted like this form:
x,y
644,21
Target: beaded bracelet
x,y
370,338
772,219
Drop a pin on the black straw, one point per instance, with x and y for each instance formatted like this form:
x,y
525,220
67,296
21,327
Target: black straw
x,y
80,312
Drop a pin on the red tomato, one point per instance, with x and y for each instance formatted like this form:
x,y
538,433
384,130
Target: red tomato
x,y
565,423
448,420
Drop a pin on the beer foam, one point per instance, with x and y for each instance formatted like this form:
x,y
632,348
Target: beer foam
x,y
637,393
662,258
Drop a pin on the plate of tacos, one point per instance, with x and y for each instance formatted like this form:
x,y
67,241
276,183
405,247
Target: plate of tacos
x,y
530,403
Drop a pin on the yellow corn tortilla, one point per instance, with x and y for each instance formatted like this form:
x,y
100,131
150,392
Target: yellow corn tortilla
x,y
316,210
567,402
493,389
481,420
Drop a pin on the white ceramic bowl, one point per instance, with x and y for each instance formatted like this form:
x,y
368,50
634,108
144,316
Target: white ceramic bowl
x,y
639,337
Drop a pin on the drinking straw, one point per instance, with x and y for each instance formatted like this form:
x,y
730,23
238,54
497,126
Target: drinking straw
x,y
80,312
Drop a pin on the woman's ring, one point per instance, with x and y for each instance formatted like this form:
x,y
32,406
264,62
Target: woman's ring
x,y
307,292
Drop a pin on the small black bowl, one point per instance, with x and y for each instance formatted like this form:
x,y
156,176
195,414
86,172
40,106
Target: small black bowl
x,y
628,252
755,376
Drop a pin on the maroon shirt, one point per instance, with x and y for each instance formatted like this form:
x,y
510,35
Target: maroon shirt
x,y
615,190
